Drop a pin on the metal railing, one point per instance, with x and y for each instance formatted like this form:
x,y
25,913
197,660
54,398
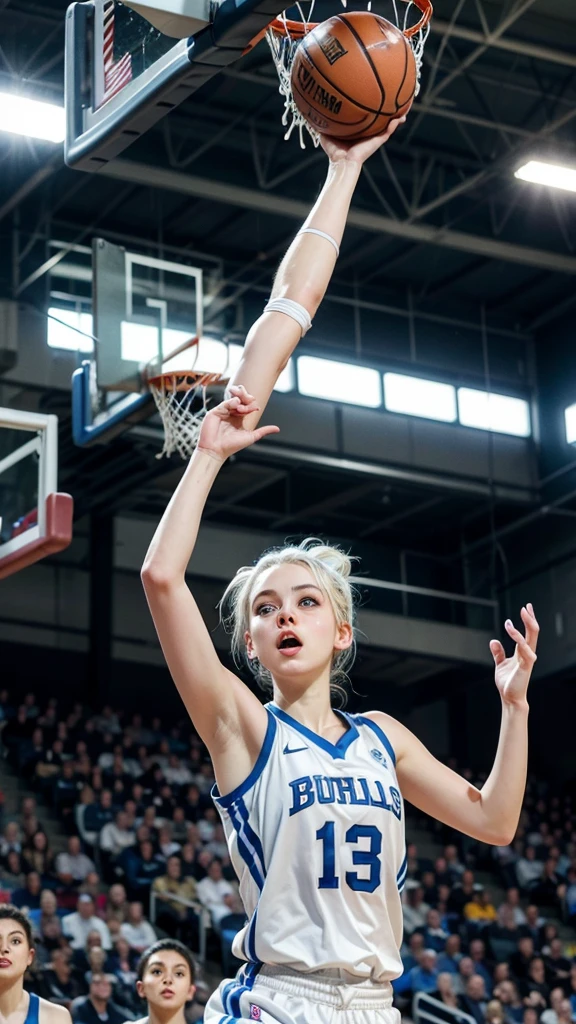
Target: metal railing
x,y
426,1012
202,913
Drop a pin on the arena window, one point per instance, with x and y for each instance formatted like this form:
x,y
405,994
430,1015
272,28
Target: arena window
x,y
339,382
414,396
570,419
35,119
499,413
70,329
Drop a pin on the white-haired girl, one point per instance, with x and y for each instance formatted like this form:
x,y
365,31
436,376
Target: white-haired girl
x,y
311,798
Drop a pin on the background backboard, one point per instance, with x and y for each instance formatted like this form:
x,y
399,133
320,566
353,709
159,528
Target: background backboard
x,y
35,519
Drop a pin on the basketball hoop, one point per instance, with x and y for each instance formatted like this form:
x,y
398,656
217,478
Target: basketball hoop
x,y
284,35
181,398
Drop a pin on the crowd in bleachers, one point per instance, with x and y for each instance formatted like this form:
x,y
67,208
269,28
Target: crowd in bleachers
x,y
145,852
497,961
142,834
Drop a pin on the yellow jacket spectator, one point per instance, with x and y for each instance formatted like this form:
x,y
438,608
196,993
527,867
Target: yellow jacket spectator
x,y
480,909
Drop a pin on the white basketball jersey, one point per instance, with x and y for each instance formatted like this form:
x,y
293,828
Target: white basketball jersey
x,y
316,836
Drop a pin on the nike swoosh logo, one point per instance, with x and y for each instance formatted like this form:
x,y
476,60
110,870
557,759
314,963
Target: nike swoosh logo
x,y
294,750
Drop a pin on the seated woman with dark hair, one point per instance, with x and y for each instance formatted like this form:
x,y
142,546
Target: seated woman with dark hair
x,y
37,856
17,956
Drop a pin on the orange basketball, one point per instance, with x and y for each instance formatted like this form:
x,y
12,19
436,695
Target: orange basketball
x,y
353,74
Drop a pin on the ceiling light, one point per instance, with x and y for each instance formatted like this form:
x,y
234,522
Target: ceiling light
x,y
33,118
570,417
548,174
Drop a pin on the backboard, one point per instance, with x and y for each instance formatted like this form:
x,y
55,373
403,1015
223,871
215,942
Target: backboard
x,y
122,74
35,519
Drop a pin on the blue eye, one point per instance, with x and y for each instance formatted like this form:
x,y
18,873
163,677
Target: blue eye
x,y
264,609
312,600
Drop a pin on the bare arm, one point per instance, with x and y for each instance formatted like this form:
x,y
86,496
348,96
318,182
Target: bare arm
x,y
490,814
228,717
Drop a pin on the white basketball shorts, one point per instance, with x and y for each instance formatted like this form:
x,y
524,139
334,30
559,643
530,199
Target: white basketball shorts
x,y
279,995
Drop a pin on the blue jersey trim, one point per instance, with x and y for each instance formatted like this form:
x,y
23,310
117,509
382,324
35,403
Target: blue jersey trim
x,y
249,845
33,1010
380,734
336,750
401,876
244,982
229,798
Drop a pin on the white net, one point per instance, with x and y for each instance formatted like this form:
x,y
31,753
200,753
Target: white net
x,y
181,400
283,45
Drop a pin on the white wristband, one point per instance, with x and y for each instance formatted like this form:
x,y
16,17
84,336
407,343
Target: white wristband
x,y
293,309
321,234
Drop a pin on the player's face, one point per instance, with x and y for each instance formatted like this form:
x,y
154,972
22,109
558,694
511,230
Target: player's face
x,y
15,953
293,630
166,981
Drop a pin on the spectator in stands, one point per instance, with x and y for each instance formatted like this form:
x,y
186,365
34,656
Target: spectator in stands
x,y
59,984
411,955
454,865
522,958
465,971
546,888
451,956
48,915
166,843
462,894
173,916
141,865
501,972
116,904
566,1012
557,966
534,988
65,791
414,909
11,840
433,934
424,977
475,1001
93,887
217,894
570,988
28,898
512,904
550,1016
73,866
495,1012
11,873
445,994
100,812
207,824
77,926
137,931
507,993
97,1006
477,952
480,911
117,835
37,856
528,870
507,931
533,925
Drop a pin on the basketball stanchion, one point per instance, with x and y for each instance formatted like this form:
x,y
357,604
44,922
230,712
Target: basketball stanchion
x,y
351,75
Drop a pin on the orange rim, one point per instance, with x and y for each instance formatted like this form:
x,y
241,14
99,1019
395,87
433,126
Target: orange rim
x,y
184,380
299,29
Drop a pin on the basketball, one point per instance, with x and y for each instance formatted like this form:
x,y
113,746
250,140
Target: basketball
x,y
353,74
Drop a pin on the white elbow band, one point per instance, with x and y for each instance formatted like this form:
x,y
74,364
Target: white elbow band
x,y
293,309
321,234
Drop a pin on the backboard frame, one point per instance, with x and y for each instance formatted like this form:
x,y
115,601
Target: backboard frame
x,y
95,135
53,530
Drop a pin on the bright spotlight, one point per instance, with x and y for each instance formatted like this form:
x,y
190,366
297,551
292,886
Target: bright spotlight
x,y
553,175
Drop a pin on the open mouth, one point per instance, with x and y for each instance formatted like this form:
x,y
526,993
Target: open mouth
x,y
288,641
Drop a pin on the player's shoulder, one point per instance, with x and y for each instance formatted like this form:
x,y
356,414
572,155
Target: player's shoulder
x,y
391,730
51,1013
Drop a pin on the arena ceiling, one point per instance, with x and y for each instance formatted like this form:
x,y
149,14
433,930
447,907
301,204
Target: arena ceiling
x,y
439,228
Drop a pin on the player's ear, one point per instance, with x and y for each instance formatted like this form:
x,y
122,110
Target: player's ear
x,y
344,637
191,993
249,646
140,989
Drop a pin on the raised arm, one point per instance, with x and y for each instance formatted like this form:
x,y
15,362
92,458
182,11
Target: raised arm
x,y
489,814
228,717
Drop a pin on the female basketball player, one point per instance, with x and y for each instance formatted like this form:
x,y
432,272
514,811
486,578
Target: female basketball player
x,y
16,955
311,799
166,982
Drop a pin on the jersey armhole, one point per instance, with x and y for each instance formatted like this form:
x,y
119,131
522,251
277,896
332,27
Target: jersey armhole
x,y
379,732
228,799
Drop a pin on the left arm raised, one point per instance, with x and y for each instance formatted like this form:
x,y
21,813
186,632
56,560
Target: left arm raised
x,y
489,814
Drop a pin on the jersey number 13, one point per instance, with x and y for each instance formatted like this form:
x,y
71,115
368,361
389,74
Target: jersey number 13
x,y
370,858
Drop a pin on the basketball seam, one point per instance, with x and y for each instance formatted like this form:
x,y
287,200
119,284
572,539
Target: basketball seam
x,y
401,86
338,89
361,106
364,48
